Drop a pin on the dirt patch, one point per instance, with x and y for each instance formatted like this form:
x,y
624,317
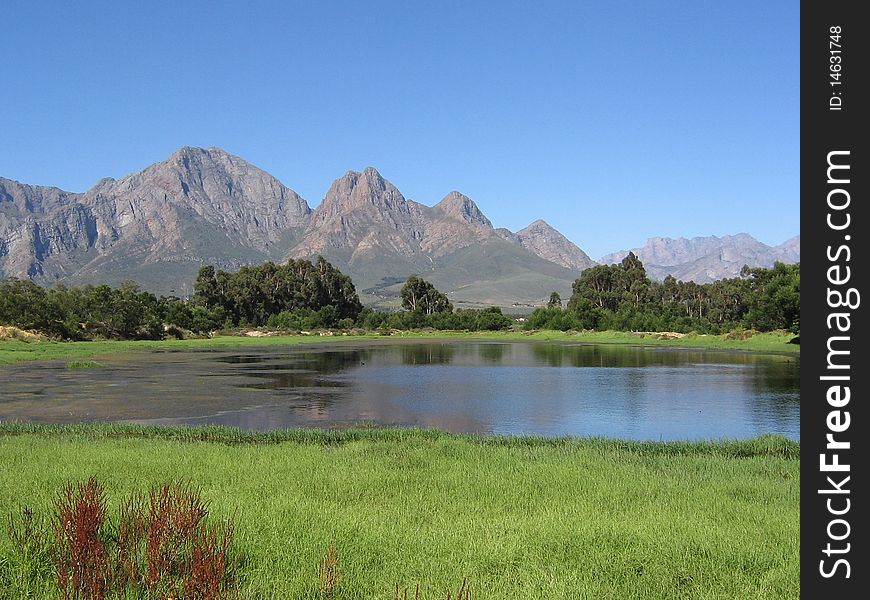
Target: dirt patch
x,y
261,333
741,335
13,333
660,335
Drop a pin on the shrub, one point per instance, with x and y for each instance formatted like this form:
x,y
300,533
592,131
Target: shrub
x,y
492,319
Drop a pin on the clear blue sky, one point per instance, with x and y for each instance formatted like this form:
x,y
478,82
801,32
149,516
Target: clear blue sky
x,y
614,121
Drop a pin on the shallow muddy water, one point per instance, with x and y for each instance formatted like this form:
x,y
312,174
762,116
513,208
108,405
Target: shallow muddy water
x,y
482,387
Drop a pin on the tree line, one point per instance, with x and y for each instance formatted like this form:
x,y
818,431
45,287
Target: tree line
x,y
622,297
252,295
295,296
303,295
87,312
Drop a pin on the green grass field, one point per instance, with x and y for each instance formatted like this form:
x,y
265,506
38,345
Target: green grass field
x,y
16,351
519,517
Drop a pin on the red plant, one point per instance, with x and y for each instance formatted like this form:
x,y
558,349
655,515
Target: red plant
x,y
329,573
166,550
174,514
209,563
163,550
80,556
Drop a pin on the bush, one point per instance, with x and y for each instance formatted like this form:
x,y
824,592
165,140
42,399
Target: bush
x,y
295,320
371,319
492,319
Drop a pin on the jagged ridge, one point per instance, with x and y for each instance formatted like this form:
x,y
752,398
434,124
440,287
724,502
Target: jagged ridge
x,y
208,206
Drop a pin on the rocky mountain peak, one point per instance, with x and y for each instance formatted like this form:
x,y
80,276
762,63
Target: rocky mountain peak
x,y
368,182
218,186
363,217
539,225
367,191
193,162
460,206
371,174
794,242
196,205
545,241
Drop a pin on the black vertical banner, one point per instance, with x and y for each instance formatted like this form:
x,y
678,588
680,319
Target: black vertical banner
x,y
834,263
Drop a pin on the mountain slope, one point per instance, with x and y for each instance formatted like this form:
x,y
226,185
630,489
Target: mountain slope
x,y
38,223
790,249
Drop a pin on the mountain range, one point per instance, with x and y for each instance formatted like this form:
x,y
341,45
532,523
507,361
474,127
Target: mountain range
x,y
705,259
206,206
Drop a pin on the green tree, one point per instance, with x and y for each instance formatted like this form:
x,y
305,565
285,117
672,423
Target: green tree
x,y
253,294
633,282
555,300
775,298
418,295
599,285
205,288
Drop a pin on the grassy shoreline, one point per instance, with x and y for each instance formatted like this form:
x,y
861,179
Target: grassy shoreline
x,y
14,351
521,517
764,445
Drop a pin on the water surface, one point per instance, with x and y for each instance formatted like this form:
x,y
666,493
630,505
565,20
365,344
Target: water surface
x,y
482,387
